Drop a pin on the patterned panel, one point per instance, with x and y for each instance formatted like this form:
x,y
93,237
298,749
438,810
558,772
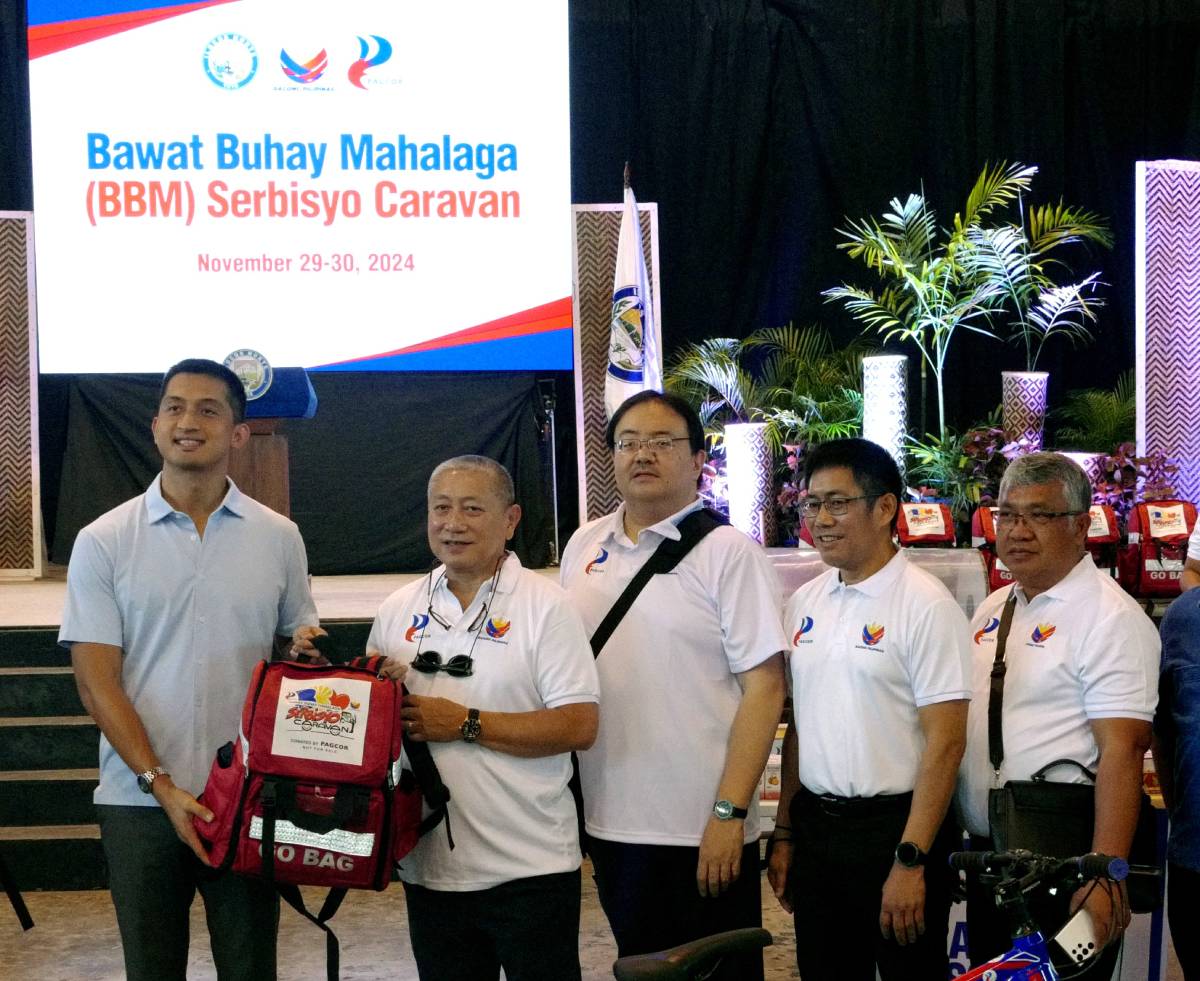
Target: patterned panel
x,y
17,503
1172,319
1023,406
885,403
596,233
750,465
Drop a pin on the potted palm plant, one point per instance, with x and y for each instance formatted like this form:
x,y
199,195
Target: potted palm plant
x,y
1021,256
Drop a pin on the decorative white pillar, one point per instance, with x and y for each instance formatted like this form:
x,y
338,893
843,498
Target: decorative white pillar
x,y
885,403
748,465
1023,406
1088,462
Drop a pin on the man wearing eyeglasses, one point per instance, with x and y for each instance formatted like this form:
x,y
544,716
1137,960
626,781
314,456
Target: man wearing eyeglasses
x,y
503,688
880,677
1080,684
692,682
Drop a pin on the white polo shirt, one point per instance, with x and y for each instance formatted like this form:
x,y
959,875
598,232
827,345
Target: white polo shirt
x,y
1081,650
512,817
1193,551
667,673
864,658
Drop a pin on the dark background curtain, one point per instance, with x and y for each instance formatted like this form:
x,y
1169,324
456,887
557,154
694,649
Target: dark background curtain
x,y
759,127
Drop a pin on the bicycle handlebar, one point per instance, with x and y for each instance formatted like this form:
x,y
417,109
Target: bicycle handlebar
x,y
1090,866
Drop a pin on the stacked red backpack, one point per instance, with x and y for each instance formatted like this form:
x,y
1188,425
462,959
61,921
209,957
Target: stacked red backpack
x,y
307,793
1151,563
925,524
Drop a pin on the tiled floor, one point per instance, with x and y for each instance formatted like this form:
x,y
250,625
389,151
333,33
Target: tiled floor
x,y
76,938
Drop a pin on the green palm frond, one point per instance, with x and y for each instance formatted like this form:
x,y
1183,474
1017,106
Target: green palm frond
x,y
996,187
1095,420
1053,225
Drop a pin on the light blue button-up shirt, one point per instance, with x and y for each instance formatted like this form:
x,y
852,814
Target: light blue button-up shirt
x,y
192,616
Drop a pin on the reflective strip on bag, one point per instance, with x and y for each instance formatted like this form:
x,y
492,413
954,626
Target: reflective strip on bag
x,y
358,843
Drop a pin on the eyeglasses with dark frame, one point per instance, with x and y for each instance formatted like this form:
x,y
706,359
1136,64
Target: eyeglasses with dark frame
x,y
658,444
460,665
1035,519
810,507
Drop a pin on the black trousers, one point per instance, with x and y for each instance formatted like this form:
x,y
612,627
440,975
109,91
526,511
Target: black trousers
x,y
1183,911
989,933
843,852
154,877
648,893
530,927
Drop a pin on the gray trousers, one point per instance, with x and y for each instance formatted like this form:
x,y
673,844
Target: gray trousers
x,y
154,877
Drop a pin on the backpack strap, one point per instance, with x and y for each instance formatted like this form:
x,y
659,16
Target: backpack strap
x,y
435,793
292,896
670,552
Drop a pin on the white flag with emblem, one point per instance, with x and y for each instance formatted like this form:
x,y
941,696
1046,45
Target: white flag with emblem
x,y
633,358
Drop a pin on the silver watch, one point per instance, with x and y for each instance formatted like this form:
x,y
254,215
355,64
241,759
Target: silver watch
x,y
145,780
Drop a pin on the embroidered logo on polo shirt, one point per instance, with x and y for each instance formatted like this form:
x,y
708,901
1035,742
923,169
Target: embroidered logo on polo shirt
x,y
497,627
989,627
600,559
1042,632
872,634
805,626
420,622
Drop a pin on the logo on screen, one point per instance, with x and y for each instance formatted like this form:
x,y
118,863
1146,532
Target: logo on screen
x,y
230,61
383,51
303,72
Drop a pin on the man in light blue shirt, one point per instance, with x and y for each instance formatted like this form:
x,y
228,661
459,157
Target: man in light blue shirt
x,y
172,597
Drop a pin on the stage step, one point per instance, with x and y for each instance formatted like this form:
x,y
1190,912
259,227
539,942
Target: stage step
x,y
47,797
49,742
54,857
32,647
38,692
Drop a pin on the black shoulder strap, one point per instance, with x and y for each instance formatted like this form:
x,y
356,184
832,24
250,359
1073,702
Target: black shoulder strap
x,y
996,694
667,556
333,899
429,780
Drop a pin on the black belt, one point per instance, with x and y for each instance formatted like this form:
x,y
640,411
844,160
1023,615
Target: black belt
x,y
848,807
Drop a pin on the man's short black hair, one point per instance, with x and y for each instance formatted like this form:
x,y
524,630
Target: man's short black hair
x,y
870,464
236,393
695,429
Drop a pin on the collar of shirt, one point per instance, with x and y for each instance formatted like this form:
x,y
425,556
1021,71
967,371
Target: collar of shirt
x,y
506,582
667,528
1072,586
157,506
877,584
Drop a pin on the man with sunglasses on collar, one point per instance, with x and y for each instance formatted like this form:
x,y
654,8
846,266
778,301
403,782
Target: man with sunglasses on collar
x,y
693,685
1080,683
503,687
880,681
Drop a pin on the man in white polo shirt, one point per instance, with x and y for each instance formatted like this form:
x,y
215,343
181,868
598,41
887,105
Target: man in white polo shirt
x,y
503,688
692,682
1081,684
172,598
880,677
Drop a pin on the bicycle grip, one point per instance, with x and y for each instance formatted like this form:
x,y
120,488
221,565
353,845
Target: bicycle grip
x,y
1097,866
973,861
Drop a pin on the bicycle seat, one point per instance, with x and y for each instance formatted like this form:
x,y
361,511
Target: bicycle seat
x,y
687,960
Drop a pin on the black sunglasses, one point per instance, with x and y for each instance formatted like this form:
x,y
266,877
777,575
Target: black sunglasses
x,y
459,666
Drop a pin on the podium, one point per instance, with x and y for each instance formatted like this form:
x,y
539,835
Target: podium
x,y
260,468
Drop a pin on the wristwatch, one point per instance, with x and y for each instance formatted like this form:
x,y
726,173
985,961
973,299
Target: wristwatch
x,y
910,855
724,810
471,728
145,780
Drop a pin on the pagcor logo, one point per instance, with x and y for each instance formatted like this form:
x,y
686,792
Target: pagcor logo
x,y
303,72
420,622
600,559
383,51
988,628
497,627
805,626
872,634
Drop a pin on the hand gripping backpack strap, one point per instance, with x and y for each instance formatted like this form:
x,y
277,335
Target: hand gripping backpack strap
x,y
670,552
291,895
429,780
